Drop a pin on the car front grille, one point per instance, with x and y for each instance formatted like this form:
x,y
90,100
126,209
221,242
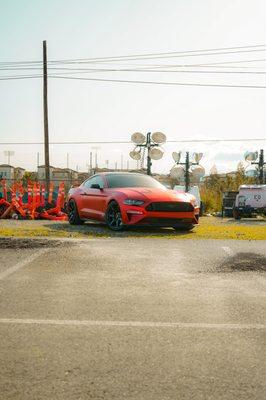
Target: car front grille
x,y
170,206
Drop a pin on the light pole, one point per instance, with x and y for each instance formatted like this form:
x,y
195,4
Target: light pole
x,y
187,164
151,142
261,164
96,148
9,154
252,157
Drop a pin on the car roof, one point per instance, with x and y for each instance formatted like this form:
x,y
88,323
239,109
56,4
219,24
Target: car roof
x,y
119,173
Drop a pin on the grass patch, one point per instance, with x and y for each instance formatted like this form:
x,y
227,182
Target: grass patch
x,y
209,228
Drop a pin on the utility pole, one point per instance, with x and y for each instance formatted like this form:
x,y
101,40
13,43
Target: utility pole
x,y
45,120
38,159
67,160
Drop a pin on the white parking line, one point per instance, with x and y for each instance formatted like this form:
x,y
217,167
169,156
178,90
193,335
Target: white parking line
x,y
228,250
144,324
22,263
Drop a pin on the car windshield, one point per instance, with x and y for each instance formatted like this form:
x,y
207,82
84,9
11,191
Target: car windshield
x,y
132,180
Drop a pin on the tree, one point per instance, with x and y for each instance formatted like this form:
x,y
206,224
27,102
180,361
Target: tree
x,y
215,184
29,176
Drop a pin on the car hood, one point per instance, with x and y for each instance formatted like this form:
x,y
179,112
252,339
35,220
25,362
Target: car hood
x,y
154,194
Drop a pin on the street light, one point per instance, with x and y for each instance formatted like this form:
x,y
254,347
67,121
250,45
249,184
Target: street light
x,y
151,142
252,156
183,169
96,148
9,154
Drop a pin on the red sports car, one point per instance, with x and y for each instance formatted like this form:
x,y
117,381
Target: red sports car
x,y
124,199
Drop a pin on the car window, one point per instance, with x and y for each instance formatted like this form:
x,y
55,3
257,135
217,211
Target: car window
x,y
98,180
132,180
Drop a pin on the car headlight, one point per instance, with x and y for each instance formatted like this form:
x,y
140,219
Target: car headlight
x,y
133,202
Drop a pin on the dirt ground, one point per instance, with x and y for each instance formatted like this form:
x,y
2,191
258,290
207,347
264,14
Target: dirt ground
x,y
209,228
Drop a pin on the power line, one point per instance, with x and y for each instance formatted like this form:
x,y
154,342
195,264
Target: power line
x,y
159,82
171,54
142,67
252,48
81,70
129,142
219,64
143,70
10,78
85,61
136,81
225,62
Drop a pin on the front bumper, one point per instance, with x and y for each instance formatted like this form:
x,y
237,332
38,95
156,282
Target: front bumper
x,y
132,215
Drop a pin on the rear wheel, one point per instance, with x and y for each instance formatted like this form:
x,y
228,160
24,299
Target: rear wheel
x,y
236,214
183,228
113,217
73,215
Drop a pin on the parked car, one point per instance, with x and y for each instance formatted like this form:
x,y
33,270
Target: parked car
x,y
194,190
127,199
250,200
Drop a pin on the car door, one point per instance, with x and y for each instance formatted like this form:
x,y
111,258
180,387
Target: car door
x,y
93,198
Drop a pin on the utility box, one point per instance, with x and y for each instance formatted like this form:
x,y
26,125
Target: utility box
x,y
250,200
229,203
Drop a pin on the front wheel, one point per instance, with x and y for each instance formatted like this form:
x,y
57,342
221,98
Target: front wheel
x,y
73,215
113,217
183,228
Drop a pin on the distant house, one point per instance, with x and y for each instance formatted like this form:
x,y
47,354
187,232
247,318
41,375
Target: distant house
x,y
64,174
82,176
41,172
7,172
18,173
57,175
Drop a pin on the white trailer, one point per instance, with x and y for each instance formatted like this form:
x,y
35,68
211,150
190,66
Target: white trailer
x,y
250,200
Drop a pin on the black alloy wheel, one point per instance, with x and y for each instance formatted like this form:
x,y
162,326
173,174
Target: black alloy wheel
x,y
113,217
73,215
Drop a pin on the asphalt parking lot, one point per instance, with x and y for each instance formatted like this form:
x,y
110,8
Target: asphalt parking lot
x,y
126,318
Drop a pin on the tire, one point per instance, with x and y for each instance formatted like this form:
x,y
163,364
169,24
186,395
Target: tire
x,y
113,217
73,215
183,228
236,215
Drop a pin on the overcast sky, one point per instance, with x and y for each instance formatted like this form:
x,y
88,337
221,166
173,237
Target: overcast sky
x,y
91,110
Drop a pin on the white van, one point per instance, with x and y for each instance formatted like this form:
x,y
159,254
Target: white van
x,y
192,190
251,199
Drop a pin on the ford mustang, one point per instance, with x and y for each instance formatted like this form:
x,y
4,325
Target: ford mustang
x,y
123,199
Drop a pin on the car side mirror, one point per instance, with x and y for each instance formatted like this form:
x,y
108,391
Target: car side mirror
x,y
96,186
